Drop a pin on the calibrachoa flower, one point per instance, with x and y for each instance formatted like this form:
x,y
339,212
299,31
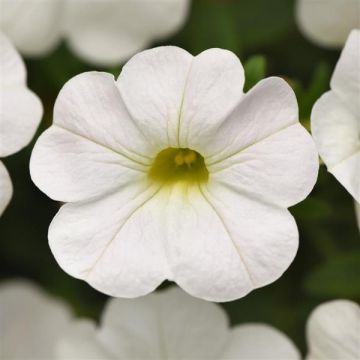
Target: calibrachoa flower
x,y
31,322
335,119
99,31
172,172
333,331
172,325
20,112
328,22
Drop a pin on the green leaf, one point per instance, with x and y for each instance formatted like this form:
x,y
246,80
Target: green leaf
x,y
255,70
338,277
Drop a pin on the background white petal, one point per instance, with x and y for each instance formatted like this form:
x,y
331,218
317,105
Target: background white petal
x,y
152,84
214,86
166,324
333,331
20,109
20,115
80,342
31,322
34,26
110,31
259,342
6,188
357,210
12,68
328,23
335,132
345,81
115,243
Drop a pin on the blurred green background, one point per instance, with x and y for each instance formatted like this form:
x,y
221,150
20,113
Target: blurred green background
x,y
264,35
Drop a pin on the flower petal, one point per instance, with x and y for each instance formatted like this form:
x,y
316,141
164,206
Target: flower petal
x,y
265,110
27,322
357,211
281,169
20,115
328,23
6,188
220,252
33,26
335,131
152,85
115,242
70,167
80,342
12,68
109,32
346,78
92,130
214,87
166,324
333,331
259,341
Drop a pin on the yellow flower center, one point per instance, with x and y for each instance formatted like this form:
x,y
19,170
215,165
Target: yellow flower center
x,y
177,164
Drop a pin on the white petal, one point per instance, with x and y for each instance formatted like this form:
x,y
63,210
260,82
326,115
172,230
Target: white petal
x,y
93,147
281,169
115,242
70,167
31,322
20,109
328,23
346,78
333,331
6,188
214,87
335,130
265,110
80,342
109,32
32,25
259,342
152,85
166,324
12,68
20,115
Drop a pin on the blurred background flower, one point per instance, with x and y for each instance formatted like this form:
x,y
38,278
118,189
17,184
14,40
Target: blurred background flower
x,y
328,22
20,112
102,32
265,35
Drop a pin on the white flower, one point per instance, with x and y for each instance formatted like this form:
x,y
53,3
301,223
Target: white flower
x,y
333,331
171,325
31,322
100,31
328,22
357,211
20,112
335,119
171,172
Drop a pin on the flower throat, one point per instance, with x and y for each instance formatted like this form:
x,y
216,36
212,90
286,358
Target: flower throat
x,y
179,164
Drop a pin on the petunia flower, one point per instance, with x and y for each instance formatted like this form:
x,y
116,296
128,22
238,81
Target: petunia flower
x,y
172,325
20,112
172,172
103,32
328,22
335,119
333,331
31,322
